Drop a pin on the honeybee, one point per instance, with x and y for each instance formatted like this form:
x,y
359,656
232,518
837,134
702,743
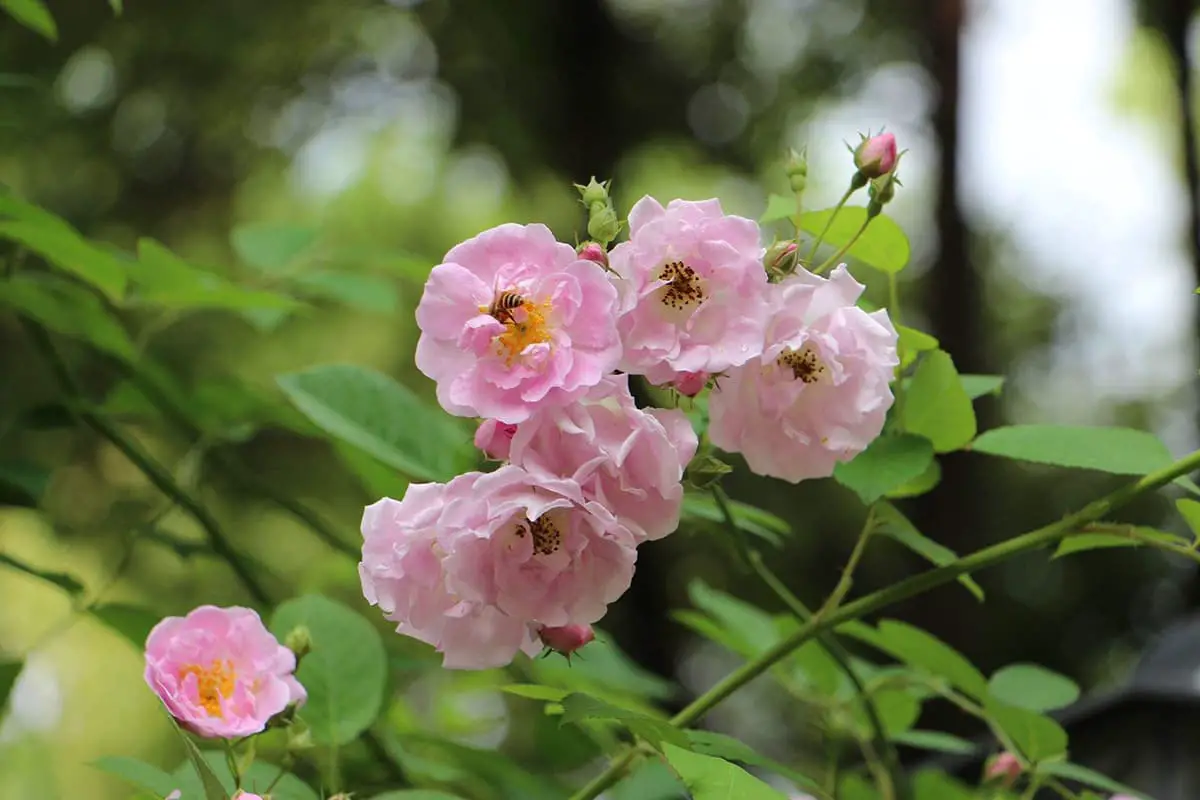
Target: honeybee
x,y
504,304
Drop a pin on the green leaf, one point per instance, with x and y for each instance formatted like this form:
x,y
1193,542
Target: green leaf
x,y
208,784
883,245
888,463
65,249
34,15
751,519
68,309
344,674
912,343
934,740
1033,687
709,778
977,386
718,745
935,785
924,483
890,522
62,580
118,6
1078,542
1036,735
1190,511
271,247
751,628
603,669
416,794
578,706
1086,776
139,773
652,780
168,281
380,416
936,405
363,292
779,207
22,483
705,470
535,692
256,779
9,672
1119,451
924,651
132,622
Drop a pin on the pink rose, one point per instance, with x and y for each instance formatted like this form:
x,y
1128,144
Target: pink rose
x,y
478,565
568,638
494,438
514,320
819,393
692,289
630,460
220,672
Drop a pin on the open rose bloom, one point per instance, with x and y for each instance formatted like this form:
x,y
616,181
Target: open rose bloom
x,y
514,320
820,392
220,672
477,566
692,289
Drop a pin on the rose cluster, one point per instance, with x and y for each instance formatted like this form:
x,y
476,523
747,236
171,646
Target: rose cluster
x,y
540,341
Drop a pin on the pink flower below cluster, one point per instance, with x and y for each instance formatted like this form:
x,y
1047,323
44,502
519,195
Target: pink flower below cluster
x,y
220,672
692,289
514,321
820,392
478,566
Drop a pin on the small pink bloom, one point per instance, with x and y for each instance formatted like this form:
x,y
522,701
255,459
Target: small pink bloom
x,y
690,384
514,320
478,565
630,460
568,638
820,392
494,438
220,672
593,251
244,795
1003,768
876,155
692,289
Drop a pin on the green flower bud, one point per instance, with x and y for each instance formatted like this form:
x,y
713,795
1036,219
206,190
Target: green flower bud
x,y
705,471
781,258
299,641
796,170
603,225
594,192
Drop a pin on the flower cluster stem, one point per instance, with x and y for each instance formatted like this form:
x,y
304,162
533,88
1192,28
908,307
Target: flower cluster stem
x,y
812,252
833,259
918,584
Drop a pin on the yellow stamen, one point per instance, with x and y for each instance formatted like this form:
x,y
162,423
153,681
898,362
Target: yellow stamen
x,y
214,682
526,326
805,364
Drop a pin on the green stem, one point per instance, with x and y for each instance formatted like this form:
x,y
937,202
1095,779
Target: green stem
x,y
833,259
918,584
888,773
159,476
828,223
231,762
847,578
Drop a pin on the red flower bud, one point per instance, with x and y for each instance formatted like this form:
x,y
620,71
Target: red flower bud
x,y
494,438
568,638
690,384
876,156
592,251
1003,769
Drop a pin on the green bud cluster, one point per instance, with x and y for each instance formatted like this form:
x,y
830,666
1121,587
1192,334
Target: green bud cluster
x,y
603,225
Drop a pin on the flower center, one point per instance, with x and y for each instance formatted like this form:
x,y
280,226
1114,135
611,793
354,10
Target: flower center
x,y
547,537
805,364
684,291
214,682
524,324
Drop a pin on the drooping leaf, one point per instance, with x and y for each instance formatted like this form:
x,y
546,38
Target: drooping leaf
x,y
883,245
1033,687
1086,776
924,651
1037,736
62,580
709,778
888,462
271,247
132,622
1120,536
34,15
353,289
934,740
165,280
1190,511
936,406
718,745
1119,451
892,523
656,732
138,773
206,785
381,417
778,207
68,309
344,674
748,518
65,249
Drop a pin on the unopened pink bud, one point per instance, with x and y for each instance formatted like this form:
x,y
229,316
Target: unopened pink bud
x,y
592,251
690,384
876,155
494,438
568,638
243,795
1003,769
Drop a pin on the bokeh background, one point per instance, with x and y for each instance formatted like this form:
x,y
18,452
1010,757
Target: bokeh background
x,y
1048,196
